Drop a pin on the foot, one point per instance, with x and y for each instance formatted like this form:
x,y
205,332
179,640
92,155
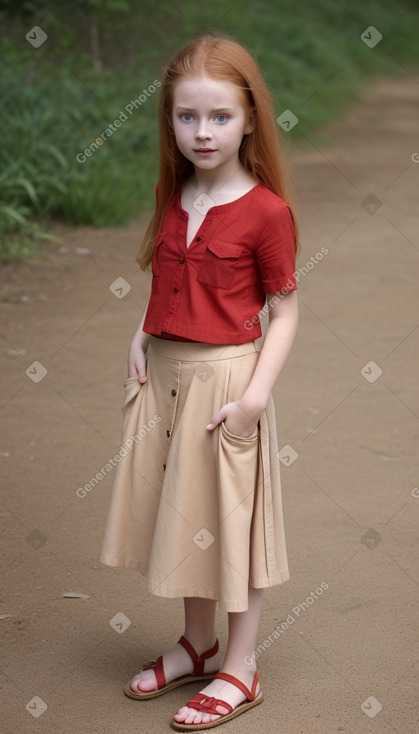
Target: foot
x,y
219,689
176,662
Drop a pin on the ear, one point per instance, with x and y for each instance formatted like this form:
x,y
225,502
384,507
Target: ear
x,y
250,123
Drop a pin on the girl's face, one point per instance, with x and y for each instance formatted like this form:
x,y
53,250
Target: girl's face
x,y
209,121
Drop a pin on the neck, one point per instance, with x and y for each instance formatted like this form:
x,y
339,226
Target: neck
x,y
212,181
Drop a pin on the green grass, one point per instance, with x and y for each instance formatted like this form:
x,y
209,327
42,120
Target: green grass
x,y
24,244
13,250
55,106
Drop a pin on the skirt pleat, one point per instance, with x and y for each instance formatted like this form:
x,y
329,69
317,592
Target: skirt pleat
x,y
198,512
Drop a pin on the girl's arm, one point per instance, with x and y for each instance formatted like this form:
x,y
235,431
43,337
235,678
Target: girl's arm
x,y
241,416
137,362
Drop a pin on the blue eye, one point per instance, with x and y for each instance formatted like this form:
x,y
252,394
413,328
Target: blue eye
x,y
221,118
186,117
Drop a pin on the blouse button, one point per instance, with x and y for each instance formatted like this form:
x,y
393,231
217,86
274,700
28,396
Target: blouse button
x,y
198,239
181,261
174,393
168,434
175,290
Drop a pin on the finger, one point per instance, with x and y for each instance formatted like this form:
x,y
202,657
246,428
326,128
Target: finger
x,y
141,369
142,375
216,420
137,370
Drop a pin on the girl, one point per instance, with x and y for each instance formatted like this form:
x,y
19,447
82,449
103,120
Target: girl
x,y
196,505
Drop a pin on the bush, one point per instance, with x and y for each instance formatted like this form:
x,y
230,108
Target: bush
x,y
58,104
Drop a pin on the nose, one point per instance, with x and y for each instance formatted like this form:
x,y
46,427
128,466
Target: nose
x,y
203,132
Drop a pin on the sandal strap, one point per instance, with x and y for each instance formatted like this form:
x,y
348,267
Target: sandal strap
x,y
208,704
198,660
250,695
157,666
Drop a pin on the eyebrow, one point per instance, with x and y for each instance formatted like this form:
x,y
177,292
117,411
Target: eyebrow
x,y
190,109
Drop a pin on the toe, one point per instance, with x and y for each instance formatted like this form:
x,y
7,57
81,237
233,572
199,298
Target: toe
x,y
194,717
187,715
139,684
181,715
199,717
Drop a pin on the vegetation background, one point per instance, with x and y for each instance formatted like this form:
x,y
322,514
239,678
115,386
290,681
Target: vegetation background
x,y
99,55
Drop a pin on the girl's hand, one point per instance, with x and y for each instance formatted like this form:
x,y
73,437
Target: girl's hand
x,y
240,418
137,361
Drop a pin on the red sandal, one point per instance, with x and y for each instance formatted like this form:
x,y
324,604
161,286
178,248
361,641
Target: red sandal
x,y
162,686
208,704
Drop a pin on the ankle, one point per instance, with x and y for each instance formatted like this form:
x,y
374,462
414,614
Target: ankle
x,y
200,641
240,668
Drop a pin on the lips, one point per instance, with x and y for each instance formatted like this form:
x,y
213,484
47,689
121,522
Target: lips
x,y
204,150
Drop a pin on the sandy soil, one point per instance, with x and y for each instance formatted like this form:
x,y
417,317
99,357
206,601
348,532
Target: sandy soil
x,y
347,405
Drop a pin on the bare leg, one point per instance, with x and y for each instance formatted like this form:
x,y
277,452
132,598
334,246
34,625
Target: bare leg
x,y
242,634
200,623
200,632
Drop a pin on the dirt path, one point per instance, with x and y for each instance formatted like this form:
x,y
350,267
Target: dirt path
x,y
344,658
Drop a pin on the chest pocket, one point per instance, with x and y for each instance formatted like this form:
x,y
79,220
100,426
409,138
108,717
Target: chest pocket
x,y
155,260
219,264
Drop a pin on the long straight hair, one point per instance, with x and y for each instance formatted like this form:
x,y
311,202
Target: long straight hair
x,y
260,151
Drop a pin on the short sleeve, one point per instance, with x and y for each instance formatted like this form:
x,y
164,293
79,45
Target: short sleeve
x,y
275,251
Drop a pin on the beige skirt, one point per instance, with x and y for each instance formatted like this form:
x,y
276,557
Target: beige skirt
x,y
198,512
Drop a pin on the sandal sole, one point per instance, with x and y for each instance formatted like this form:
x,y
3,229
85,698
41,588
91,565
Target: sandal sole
x,y
240,709
183,680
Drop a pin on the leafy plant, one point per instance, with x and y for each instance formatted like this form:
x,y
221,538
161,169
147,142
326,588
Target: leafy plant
x,y
60,98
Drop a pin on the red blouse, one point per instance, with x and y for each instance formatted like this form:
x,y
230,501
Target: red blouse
x,y
212,291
